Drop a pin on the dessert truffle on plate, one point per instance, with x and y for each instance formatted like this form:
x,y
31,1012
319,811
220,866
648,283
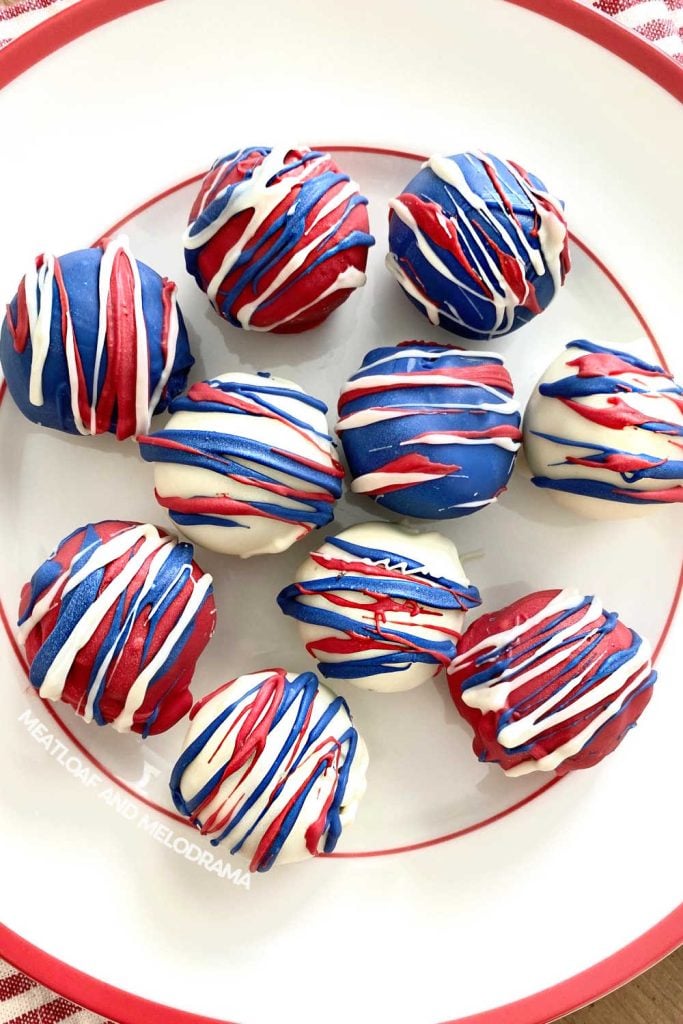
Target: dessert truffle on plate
x,y
430,431
94,342
551,683
603,432
245,465
113,623
277,238
272,765
381,606
478,244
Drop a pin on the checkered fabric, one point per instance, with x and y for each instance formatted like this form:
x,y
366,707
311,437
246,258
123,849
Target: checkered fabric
x,y
24,1001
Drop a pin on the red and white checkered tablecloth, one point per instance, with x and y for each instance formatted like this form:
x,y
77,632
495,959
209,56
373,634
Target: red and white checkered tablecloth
x,y
17,16
660,21
22,1000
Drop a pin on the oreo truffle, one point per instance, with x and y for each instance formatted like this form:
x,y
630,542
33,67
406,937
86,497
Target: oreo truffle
x,y
478,244
245,465
277,238
603,432
94,342
113,623
381,606
272,766
430,431
551,683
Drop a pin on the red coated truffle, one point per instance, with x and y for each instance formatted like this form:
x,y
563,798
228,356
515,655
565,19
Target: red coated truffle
x,y
551,683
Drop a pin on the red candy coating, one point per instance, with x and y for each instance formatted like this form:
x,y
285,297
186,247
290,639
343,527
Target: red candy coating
x,y
590,647
290,263
167,698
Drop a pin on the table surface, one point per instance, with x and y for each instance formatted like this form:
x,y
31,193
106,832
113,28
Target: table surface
x,y
654,998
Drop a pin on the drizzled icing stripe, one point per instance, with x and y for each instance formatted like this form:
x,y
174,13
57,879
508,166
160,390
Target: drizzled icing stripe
x,y
267,766
276,236
561,682
403,472
120,387
298,486
359,601
478,243
624,420
421,413
113,623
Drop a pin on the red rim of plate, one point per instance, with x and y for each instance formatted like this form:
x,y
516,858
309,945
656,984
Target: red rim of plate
x,y
417,844
559,999
404,847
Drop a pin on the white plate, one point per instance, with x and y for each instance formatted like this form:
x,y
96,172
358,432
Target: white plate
x,y
457,890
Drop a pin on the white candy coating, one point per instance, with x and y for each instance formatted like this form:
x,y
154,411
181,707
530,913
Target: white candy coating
x,y
220,748
418,621
296,430
578,437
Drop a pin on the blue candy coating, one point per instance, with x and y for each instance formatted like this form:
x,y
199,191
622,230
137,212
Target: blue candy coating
x,y
80,271
479,471
490,237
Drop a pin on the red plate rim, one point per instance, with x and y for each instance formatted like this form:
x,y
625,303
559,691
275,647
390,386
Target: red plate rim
x,y
65,26
551,1003
432,840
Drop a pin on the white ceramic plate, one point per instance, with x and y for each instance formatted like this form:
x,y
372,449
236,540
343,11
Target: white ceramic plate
x,y
457,891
